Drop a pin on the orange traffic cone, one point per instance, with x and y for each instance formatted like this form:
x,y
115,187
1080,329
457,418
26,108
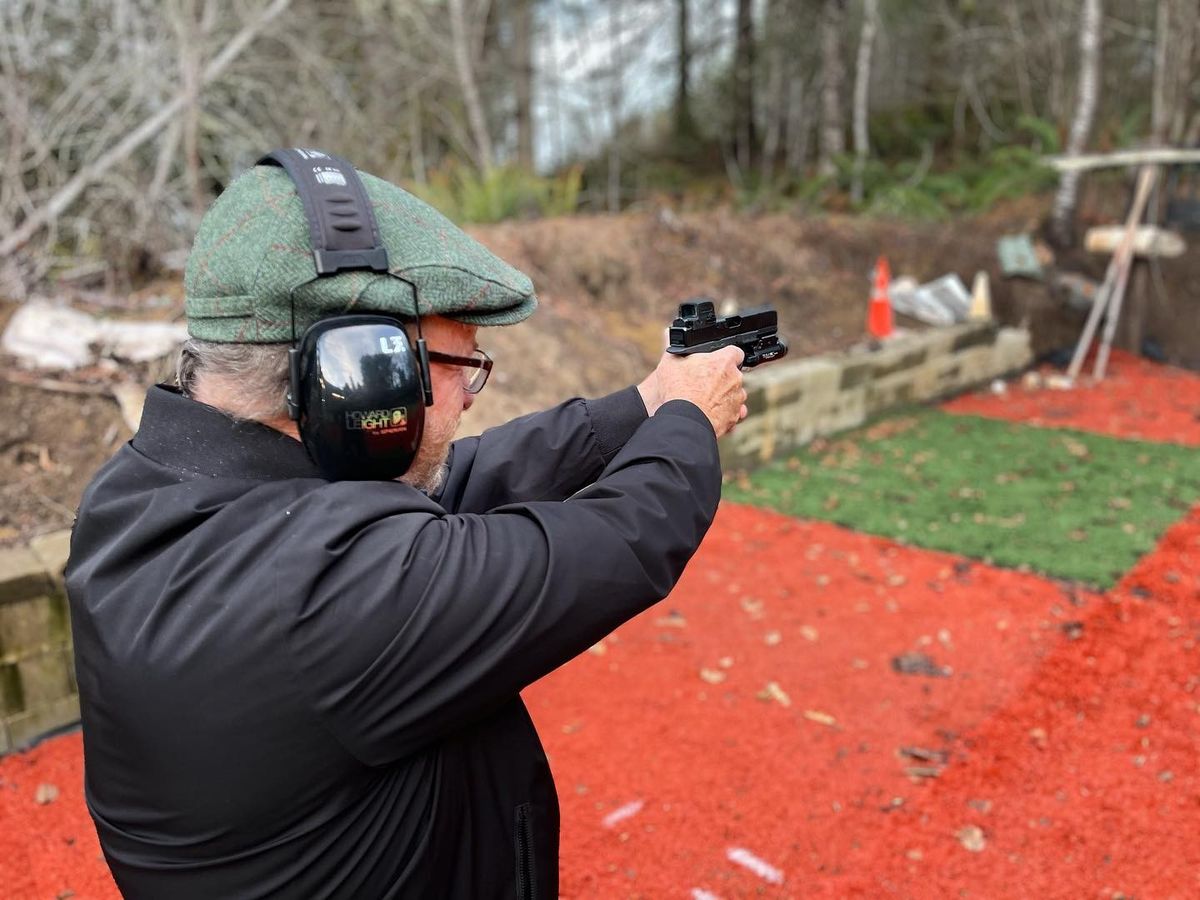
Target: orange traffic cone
x,y
879,316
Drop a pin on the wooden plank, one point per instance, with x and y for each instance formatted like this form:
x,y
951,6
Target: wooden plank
x,y
1163,156
1150,173
1123,257
1148,240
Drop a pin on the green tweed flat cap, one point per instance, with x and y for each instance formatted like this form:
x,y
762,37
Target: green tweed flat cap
x,y
253,251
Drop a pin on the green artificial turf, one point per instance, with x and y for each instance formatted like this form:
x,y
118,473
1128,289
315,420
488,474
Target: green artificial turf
x,y
1063,503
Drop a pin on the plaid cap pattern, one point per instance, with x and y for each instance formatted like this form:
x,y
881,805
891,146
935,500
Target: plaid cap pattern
x,y
253,250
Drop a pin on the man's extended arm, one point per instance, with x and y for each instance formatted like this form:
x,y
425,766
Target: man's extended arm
x,y
410,626
545,456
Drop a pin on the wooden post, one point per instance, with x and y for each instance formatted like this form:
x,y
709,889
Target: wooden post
x,y
1117,274
1132,327
1146,179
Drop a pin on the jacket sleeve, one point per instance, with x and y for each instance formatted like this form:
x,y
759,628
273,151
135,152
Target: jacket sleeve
x,y
414,625
545,456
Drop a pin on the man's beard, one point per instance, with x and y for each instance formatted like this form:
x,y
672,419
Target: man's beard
x,y
428,470
427,482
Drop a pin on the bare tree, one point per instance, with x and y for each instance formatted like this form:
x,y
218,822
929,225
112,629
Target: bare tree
x,y
862,84
615,100
774,108
522,23
115,132
684,122
192,25
744,139
1020,55
833,129
464,43
101,165
1063,213
799,123
1158,107
1177,30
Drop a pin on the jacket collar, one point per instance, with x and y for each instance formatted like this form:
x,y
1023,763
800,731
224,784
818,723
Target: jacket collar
x,y
183,433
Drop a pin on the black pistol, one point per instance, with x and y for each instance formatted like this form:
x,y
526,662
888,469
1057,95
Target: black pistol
x,y
698,330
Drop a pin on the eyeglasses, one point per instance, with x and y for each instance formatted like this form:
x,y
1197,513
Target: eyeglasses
x,y
478,363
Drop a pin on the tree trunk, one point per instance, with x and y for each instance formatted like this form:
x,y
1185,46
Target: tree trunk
x,y
614,107
833,136
1158,99
1063,214
1177,30
523,70
862,85
416,137
744,138
1053,94
189,30
461,38
685,123
1181,134
798,124
1020,57
774,107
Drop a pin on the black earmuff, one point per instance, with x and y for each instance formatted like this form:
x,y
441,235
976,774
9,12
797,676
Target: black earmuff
x,y
357,390
356,382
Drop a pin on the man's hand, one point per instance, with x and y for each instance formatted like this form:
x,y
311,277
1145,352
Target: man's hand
x,y
712,381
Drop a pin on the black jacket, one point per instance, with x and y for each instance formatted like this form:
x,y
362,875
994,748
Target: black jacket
x,y
298,688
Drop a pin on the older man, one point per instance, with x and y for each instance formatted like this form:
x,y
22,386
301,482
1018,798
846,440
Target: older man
x,y
298,686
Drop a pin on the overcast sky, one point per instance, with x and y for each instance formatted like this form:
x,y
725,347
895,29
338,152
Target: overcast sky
x,y
578,45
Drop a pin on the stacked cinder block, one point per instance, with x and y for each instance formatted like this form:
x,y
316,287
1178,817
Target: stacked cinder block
x,y
794,401
37,672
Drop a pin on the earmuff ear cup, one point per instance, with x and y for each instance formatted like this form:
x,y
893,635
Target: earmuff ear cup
x,y
359,394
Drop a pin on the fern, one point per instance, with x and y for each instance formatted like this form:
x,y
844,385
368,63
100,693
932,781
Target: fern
x,y
1044,133
905,201
468,196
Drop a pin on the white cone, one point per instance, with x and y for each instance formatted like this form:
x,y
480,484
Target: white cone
x,y
981,298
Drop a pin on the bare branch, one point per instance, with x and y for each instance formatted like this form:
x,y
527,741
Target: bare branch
x,y
73,188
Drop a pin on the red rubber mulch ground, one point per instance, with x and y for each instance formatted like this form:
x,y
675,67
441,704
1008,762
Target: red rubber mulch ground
x,y
1086,784
48,848
1137,399
751,735
1060,721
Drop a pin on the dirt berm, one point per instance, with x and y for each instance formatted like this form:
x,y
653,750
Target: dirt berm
x,y
608,286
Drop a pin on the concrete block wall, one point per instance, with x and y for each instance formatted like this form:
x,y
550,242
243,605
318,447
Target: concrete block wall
x,y
37,671
794,401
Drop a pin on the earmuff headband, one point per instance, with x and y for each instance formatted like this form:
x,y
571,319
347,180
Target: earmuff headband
x,y
342,228
341,221
356,390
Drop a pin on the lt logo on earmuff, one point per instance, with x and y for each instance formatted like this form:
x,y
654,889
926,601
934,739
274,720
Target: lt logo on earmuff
x,y
393,344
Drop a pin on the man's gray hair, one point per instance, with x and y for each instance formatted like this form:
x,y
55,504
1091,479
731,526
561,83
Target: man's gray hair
x,y
256,375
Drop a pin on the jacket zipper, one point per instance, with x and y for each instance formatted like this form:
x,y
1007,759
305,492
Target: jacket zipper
x,y
526,883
